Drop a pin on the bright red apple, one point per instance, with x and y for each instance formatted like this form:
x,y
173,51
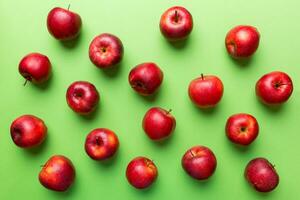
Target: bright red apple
x,y
242,41
158,123
82,97
199,162
57,174
63,24
141,172
28,131
146,78
261,174
106,50
274,88
206,91
242,128
101,144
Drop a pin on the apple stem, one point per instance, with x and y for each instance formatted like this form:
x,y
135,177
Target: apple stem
x,y
69,6
176,16
42,165
170,110
26,80
202,76
192,153
98,140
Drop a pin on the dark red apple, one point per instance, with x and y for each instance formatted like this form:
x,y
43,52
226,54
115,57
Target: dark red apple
x,y
261,174
35,67
63,24
199,162
106,50
141,172
82,97
206,91
57,174
274,88
28,131
101,144
242,128
242,41
146,78
176,23
158,123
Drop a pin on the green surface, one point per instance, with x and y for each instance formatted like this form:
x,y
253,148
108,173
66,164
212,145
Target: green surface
x,y
23,30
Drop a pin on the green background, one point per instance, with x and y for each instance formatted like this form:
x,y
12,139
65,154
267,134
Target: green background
x,y
23,30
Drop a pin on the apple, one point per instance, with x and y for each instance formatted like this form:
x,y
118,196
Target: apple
x,y
242,128
242,41
106,50
176,23
57,174
146,78
28,131
274,88
63,24
35,67
101,144
82,97
199,162
158,123
206,91
141,172
261,174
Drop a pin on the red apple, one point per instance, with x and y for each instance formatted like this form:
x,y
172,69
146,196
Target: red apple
x,y
158,123
35,67
199,162
57,174
242,128
141,172
242,41
28,131
63,24
206,91
146,78
82,97
274,88
101,144
261,174
106,50
176,23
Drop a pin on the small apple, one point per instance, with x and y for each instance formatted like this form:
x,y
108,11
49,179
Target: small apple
x,y
261,174
206,91
242,128
141,172
82,97
35,67
101,144
63,24
158,123
274,88
106,50
28,131
242,41
57,174
146,78
199,162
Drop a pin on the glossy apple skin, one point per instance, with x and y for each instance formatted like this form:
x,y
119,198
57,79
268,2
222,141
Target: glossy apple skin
x,y
35,67
242,128
57,174
199,162
176,23
274,88
101,144
206,91
28,131
145,78
242,41
158,123
63,24
106,50
261,174
82,97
